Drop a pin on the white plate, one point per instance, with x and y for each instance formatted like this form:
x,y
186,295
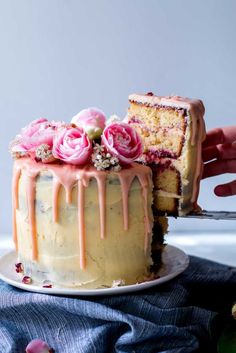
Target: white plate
x,y
175,261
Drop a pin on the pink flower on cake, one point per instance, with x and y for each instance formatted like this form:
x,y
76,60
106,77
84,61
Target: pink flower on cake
x,y
92,120
33,127
123,142
72,145
38,346
38,133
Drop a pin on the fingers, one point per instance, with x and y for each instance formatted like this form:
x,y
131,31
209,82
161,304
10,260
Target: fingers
x,y
220,136
210,153
217,167
219,151
226,151
228,189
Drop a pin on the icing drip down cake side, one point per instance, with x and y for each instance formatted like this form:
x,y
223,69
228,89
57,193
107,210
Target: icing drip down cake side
x,y
172,130
87,227
82,206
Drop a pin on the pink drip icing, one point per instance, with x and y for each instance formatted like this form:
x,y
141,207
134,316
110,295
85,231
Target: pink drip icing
x,y
67,176
101,181
126,180
68,194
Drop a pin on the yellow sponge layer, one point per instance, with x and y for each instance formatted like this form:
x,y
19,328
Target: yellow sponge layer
x,y
161,129
166,143
167,190
167,180
158,117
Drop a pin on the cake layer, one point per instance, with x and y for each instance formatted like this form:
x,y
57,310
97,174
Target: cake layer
x,y
163,116
162,129
167,189
160,142
81,227
172,129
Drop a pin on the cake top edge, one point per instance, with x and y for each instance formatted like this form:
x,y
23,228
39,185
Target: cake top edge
x,y
71,171
173,101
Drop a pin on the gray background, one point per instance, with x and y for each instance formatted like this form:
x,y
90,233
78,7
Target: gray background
x,y
58,57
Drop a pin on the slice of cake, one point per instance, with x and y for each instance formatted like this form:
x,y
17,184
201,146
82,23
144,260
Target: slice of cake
x,y
172,130
82,207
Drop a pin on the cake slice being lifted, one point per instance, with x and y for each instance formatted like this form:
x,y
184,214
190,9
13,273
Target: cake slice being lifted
x,y
172,129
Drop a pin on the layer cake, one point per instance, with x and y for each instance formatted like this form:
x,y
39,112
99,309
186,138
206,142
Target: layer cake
x,y
82,208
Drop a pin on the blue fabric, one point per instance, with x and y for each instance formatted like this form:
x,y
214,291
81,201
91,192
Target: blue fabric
x,y
179,316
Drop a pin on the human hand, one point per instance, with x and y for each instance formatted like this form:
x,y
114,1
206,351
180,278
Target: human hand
x,y
219,157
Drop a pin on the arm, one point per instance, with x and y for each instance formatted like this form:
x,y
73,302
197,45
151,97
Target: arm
x,y
219,156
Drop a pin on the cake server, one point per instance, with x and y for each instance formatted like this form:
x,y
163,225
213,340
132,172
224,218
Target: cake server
x,y
204,214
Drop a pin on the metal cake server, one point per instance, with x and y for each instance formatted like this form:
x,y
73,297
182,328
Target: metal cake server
x,y
204,214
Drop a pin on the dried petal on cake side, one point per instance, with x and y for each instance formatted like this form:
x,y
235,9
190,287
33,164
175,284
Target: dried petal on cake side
x,y
47,284
19,267
27,280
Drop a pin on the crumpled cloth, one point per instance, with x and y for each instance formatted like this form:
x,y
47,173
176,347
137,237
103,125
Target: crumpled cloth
x,y
180,316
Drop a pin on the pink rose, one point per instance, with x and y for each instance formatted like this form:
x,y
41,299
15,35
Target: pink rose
x,y
72,145
34,127
92,120
36,140
38,346
38,132
122,141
